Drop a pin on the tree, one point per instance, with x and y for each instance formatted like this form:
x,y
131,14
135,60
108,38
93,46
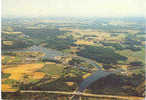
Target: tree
x,y
101,54
136,63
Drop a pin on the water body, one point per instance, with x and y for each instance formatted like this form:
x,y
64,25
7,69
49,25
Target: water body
x,y
89,80
49,53
95,76
91,62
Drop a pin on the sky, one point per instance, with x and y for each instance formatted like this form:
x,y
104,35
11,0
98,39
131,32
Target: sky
x,y
101,8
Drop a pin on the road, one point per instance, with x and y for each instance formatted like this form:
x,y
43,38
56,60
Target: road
x,y
85,95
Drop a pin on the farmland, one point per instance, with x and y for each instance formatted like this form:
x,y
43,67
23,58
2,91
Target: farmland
x,y
54,54
17,73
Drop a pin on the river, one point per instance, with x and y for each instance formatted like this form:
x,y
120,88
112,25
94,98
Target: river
x,y
100,73
51,53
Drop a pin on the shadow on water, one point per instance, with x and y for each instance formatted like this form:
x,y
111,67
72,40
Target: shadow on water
x,y
95,76
89,80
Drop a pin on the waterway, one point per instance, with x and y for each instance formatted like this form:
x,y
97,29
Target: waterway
x,y
51,53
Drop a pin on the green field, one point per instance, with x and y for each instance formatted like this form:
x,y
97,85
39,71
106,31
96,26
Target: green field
x,y
52,69
133,56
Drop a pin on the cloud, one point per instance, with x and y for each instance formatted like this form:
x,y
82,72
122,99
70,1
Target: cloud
x,y
73,7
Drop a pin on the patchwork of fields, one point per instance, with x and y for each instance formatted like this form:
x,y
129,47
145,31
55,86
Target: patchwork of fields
x,y
58,54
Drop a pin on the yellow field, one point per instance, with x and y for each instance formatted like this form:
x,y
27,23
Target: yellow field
x,y
19,71
125,67
3,57
70,83
82,31
84,42
10,59
12,32
50,63
86,75
7,88
7,42
38,75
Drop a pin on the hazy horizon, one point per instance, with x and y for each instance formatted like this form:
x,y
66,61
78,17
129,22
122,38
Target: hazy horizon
x,y
98,8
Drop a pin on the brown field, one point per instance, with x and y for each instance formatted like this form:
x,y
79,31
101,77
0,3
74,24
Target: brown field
x,y
19,71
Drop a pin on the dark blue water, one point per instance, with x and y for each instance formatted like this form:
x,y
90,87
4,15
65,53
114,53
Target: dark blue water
x,y
97,75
